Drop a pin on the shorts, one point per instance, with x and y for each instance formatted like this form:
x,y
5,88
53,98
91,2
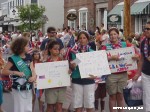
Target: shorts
x,y
55,95
22,100
83,95
115,83
100,91
1,93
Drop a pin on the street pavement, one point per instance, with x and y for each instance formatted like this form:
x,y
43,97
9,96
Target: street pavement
x,y
8,104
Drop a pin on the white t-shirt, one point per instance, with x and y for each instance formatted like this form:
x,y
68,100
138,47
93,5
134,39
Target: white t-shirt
x,y
105,39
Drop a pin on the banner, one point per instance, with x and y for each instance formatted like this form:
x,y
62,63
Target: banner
x,y
93,63
52,74
125,63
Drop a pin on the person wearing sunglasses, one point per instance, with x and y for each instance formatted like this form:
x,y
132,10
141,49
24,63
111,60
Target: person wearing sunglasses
x,y
144,67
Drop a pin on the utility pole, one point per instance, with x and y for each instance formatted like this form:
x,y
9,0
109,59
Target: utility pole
x,y
127,18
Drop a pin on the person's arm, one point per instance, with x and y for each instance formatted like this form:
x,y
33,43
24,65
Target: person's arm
x,y
139,69
7,71
113,57
34,76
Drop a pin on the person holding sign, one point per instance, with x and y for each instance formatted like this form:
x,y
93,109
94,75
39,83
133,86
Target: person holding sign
x,y
83,89
54,97
116,81
22,73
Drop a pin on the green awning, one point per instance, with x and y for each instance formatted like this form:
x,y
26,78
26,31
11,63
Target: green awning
x,y
140,8
116,10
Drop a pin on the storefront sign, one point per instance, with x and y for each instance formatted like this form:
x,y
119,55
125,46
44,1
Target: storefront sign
x,y
114,19
71,16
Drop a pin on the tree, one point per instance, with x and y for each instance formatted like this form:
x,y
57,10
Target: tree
x,y
31,17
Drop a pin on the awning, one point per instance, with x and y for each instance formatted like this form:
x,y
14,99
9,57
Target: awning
x,y
8,21
139,8
117,9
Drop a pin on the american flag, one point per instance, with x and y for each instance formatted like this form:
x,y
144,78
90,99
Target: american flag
x,y
71,47
71,42
30,48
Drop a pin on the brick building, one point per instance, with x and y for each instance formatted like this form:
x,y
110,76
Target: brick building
x,y
90,13
85,11
140,12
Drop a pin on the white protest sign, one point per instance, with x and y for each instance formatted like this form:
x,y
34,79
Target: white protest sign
x,y
93,63
125,63
52,74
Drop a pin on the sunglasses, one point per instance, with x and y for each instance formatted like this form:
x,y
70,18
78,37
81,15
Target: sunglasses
x,y
147,29
52,32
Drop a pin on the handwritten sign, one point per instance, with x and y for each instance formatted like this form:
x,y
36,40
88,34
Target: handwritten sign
x,y
52,74
125,63
94,63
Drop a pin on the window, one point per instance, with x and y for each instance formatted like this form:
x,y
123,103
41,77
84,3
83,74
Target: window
x,y
13,3
10,4
72,24
34,1
8,7
22,2
144,21
18,3
83,18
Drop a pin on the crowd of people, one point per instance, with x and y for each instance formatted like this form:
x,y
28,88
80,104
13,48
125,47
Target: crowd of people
x,y
26,49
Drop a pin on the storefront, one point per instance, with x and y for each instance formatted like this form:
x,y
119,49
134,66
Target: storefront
x,y
140,14
116,12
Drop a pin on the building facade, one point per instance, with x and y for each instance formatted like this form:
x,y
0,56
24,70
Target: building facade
x,y
54,13
10,13
101,12
140,13
85,11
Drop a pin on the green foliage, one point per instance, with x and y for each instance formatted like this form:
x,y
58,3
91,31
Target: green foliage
x,y
31,17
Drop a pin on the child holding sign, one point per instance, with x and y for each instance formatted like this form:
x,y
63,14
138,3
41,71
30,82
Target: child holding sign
x,y
54,97
116,81
83,89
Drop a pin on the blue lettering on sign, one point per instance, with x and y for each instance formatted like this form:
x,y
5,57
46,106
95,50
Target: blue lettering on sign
x,y
122,65
113,66
126,53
